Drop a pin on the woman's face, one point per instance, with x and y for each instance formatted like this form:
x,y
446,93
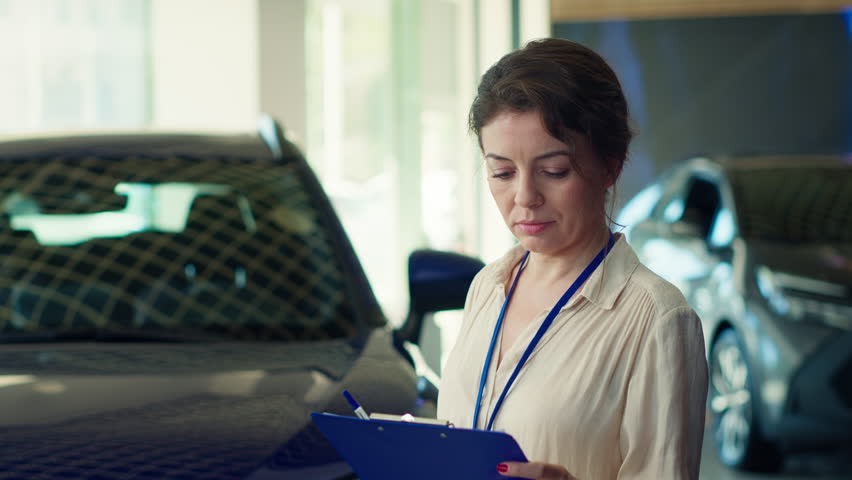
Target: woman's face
x,y
546,204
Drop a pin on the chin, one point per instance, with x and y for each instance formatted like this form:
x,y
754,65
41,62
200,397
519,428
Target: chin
x,y
537,245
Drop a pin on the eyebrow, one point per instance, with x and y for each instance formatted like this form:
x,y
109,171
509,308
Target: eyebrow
x,y
554,153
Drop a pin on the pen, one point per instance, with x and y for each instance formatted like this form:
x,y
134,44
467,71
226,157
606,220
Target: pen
x,y
359,410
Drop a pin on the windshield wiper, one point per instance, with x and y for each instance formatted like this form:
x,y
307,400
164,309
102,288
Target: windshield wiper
x,y
108,335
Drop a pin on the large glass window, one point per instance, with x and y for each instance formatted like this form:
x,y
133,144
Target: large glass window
x,y
388,83
73,64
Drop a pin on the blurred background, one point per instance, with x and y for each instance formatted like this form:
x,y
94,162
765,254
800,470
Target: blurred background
x,y
376,92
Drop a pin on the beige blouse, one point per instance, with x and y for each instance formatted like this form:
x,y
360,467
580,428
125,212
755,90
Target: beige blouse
x,y
615,389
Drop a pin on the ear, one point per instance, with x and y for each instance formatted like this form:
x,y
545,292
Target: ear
x,y
613,171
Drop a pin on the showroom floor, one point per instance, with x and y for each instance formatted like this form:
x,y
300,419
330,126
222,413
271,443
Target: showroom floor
x,y
810,467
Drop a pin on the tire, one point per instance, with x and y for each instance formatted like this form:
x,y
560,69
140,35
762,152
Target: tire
x,y
731,403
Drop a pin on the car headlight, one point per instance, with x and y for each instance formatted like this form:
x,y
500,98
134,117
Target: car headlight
x,y
771,291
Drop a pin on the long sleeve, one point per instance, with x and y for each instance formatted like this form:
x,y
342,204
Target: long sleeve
x,y
663,423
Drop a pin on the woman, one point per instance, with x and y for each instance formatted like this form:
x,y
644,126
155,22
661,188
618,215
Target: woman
x,y
611,382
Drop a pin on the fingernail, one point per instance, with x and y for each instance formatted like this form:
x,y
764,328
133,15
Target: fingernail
x,y
502,468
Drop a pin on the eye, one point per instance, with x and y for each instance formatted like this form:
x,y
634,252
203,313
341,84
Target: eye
x,y
501,174
556,173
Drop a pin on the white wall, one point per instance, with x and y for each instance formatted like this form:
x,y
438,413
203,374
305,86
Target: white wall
x,y
204,56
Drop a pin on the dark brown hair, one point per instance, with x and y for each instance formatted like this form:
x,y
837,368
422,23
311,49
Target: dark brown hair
x,y
570,85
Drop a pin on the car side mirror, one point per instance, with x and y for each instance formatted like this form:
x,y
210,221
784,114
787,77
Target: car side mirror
x,y
437,281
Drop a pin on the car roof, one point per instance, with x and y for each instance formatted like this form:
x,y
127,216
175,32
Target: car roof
x,y
267,142
137,144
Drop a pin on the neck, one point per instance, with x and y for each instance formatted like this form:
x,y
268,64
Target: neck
x,y
569,262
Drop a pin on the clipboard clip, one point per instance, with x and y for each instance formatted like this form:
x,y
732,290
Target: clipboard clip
x,y
409,418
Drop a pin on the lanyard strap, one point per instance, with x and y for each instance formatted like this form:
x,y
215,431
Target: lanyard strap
x,y
540,333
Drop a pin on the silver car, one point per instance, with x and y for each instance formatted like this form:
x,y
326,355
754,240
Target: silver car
x,y
762,248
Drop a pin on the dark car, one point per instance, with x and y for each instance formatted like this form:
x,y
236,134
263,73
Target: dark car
x,y
175,306
762,249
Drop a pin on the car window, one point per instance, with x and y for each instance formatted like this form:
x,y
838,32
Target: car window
x,y
701,204
230,247
696,204
671,195
794,205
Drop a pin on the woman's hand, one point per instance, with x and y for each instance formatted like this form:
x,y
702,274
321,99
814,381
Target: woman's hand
x,y
535,470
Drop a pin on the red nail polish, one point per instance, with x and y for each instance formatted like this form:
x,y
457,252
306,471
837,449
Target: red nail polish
x,y
503,468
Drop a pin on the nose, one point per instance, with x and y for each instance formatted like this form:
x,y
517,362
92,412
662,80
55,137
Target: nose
x,y
527,194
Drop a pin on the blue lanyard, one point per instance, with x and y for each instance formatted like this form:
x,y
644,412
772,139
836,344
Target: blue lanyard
x,y
540,333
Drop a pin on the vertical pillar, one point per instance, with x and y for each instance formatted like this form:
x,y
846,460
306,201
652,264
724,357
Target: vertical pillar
x,y
494,20
405,61
534,21
281,64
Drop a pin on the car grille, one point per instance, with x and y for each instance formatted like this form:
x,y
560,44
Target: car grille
x,y
195,438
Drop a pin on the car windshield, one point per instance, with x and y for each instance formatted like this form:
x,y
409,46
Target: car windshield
x,y
794,205
220,247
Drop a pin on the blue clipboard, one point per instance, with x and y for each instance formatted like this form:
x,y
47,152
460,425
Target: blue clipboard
x,y
388,450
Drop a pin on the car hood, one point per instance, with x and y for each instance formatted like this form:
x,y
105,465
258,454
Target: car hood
x,y
211,411
826,263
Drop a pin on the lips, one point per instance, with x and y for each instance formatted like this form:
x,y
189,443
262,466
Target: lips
x,y
532,228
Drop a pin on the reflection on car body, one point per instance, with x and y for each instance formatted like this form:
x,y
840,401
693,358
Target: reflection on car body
x,y
174,306
762,249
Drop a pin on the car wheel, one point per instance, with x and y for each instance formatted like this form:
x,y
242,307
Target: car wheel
x,y
736,430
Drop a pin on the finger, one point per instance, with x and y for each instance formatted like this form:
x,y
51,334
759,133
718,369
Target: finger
x,y
534,470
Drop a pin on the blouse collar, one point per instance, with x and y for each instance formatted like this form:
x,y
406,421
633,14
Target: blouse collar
x,y
602,288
